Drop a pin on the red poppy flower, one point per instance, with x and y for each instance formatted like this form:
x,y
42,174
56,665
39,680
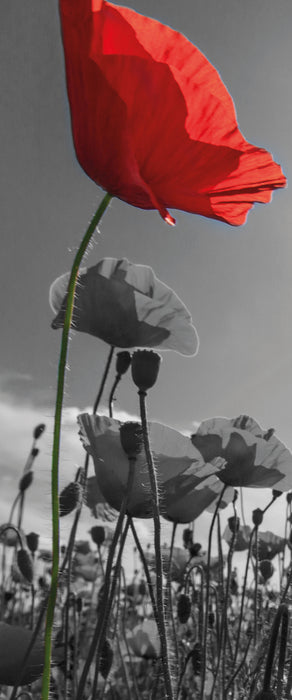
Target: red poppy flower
x,y
245,454
152,121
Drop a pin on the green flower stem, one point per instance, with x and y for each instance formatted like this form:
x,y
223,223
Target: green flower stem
x,y
56,441
158,557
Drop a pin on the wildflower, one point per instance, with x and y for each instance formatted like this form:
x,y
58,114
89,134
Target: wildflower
x,y
152,121
144,640
126,305
178,467
245,457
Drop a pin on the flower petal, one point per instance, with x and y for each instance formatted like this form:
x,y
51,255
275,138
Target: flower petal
x,y
124,69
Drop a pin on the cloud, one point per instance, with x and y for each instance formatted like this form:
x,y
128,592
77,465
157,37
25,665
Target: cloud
x,y
18,418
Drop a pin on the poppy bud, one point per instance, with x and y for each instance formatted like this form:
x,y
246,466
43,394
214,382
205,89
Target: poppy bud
x,y
35,451
69,498
24,564
123,361
257,517
183,608
197,658
234,523
195,549
142,588
131,437
145,368
32,540
187,537
98,534
233,586
211,619
25,481
106,659
266,568
79,605
38,431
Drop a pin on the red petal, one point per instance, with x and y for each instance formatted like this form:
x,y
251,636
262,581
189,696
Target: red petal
x,y
152,120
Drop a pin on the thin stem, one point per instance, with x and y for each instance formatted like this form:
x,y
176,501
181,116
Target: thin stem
x,y
242,597
204,650
281,615
158,555
104,378
105,602
146,569
72,536
112,394
56,442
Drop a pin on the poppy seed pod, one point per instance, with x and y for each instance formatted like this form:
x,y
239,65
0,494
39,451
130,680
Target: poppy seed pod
x,y
38,431
131,436
25,481
106,659
257,516
234,523
98,534
123,361
187,537
194,549
184,607
145,367
197,658
266,568
69,498
32,540
142,589
25,564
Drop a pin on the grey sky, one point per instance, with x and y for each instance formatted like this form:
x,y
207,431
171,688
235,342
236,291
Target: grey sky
x,y
236,282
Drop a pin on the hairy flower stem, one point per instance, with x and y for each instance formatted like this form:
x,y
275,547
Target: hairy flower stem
x,y
109,601
281,617
56,442
105,601
204,649
158,557
146,570
69,550
242,597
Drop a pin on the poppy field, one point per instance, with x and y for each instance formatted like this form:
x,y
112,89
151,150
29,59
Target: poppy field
x,y
154,126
